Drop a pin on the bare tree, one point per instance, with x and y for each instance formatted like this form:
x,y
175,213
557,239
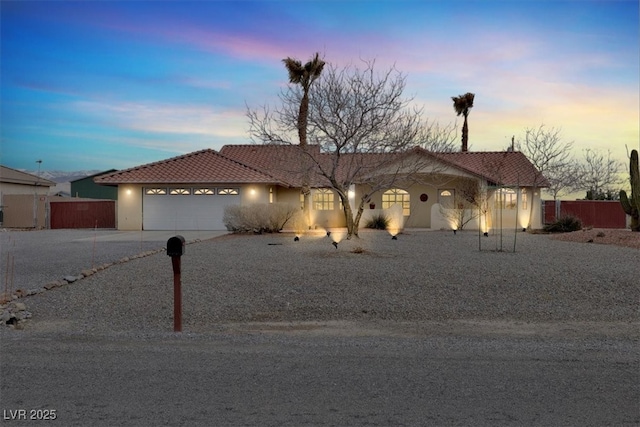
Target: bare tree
x,y
564,180
551,156
600,175
468,200
366,130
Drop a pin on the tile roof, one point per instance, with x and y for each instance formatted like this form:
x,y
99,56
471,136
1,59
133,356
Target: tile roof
x,y
281,164
205,166
280,161
499,167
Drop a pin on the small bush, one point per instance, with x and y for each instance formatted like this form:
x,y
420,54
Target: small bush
x,y
258,218
564,224
378,222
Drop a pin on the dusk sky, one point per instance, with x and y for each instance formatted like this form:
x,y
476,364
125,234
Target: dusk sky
x,y
102,85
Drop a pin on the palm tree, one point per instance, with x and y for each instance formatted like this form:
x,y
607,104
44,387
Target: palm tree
x,y
304,76
462,104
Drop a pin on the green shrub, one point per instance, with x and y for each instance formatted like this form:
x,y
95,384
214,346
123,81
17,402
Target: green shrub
x,y
564,224
378,222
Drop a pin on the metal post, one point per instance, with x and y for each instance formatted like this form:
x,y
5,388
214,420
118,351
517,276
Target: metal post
x,y
177,295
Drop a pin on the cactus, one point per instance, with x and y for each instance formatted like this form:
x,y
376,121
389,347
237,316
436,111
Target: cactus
x,y
631,205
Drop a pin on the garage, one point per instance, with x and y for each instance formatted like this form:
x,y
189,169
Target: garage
x,y
187,208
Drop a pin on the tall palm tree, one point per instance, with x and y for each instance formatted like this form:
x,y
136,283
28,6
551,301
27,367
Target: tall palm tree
x,y
462,104
304,76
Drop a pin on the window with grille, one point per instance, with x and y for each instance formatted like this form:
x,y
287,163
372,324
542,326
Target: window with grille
x,y
228,191
204,191
323,200
155,191
397,196
179,191
506,198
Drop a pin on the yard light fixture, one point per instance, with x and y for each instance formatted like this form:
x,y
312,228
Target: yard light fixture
x,y
394,237
295,239
454,231
485,234
328,234
335,244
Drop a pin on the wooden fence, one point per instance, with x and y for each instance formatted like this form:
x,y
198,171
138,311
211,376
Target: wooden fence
x,y
592,213
83,213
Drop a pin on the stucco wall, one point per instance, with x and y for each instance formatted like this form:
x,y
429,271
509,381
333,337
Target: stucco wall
x,y
129,207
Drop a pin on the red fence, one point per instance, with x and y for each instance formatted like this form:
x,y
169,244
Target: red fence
x,y
592,213
83,214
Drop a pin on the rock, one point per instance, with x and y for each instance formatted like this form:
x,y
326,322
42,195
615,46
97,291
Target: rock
x,y
19,306
70,279
5,317
87,273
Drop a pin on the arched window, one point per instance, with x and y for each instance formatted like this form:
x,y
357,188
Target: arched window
x,y
323,199
446,198
397,196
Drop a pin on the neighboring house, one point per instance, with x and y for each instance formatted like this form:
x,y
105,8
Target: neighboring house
x,y
23,198
191,191
87,188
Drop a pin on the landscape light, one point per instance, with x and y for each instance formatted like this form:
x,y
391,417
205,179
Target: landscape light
x,y
485,234
454,231
295,239
394,237
328,233
335,244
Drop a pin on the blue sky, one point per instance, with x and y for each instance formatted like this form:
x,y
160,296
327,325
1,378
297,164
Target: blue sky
x,y
102,85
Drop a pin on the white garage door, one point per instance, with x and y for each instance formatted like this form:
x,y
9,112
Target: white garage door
x,y
186,208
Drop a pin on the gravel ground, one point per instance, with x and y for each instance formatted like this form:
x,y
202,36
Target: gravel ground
x,y
424,276
602,236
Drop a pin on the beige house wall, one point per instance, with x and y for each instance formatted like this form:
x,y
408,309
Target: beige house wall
x,y
24,211
129,207
424,214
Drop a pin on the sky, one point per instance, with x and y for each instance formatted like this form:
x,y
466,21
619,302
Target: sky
x,y
111,85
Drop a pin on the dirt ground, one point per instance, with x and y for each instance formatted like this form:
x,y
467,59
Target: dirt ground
x,y
602,236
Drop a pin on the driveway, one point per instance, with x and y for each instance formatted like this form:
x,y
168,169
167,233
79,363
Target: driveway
x,y
317,373
30,259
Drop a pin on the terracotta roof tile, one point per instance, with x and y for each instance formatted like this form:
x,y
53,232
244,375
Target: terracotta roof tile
x,y
501,167
281,164
281,161
205,166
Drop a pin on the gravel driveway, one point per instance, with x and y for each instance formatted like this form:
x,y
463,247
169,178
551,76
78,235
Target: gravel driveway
x,y
423,330
421,277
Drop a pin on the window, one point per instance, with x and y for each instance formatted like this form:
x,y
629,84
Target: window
x,y
506,198
228,191
204,191
179,191
396,196
523,195
155,191
445,198
323,200
270,194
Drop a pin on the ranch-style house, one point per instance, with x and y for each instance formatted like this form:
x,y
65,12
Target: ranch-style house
x,y
190,192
